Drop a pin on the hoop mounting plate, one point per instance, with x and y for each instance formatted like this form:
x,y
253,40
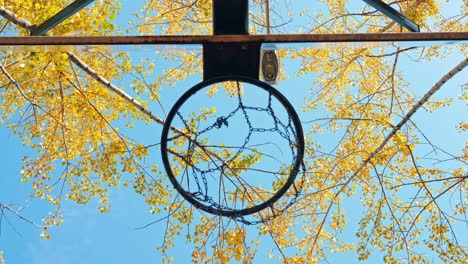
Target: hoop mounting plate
x,y
231,59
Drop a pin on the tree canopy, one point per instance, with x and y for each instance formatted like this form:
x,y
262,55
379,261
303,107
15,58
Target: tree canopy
x,y
411,195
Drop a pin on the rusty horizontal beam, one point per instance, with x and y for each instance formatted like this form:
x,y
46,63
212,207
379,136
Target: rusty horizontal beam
x,y
192,39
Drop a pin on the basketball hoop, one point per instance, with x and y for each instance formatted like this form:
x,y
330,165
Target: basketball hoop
x,y
234,153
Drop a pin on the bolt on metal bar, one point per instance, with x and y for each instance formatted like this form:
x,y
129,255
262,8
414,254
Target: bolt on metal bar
x,y
393,14
60,17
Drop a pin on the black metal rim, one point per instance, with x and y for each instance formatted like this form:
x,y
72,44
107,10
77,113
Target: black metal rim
x,y
294,171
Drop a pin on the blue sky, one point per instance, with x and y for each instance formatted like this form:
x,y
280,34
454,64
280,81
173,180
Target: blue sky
x,y
88,236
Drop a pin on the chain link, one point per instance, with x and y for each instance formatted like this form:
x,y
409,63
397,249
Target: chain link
x,y
286,131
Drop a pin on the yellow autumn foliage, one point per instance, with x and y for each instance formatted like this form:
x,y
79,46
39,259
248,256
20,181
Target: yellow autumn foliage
x,y
78,128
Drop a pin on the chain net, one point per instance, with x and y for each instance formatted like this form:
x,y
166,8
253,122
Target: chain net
x,y
236,153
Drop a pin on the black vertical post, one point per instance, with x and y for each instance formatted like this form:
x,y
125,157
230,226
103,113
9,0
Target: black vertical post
x,y
230,17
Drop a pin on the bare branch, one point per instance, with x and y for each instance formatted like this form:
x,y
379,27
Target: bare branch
x,y
15,19
395,129
17,214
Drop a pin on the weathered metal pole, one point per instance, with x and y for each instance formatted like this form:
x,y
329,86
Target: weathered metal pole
x,y
333,40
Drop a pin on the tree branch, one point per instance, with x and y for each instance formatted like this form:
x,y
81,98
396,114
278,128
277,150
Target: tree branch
x,y
395,129
17,214
27,25
15,19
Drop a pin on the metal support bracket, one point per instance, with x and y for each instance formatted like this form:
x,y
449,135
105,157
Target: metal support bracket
x,y
393,14
231,59
60,17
